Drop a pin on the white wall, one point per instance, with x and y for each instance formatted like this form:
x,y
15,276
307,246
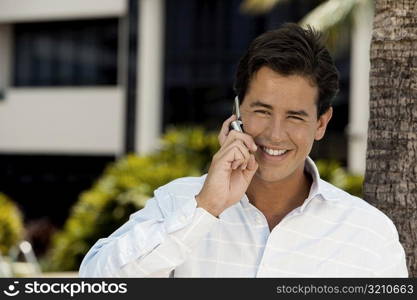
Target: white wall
x,y
5,44
150,75
359,90
62,120
12,11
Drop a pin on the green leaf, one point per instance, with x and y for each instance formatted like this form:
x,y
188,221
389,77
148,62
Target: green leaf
x,y
330,13
11,224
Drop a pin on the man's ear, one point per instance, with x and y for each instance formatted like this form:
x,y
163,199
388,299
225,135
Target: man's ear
x,y
322,122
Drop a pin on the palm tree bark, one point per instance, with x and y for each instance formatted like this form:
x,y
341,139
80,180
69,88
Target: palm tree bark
x,y
391,168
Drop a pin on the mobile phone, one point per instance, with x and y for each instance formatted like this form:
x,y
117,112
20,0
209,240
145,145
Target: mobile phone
x,y
237,124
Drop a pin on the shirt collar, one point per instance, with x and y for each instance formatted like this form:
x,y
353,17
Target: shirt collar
x,y
317,187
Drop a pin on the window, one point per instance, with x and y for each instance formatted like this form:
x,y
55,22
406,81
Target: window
x,y
70,53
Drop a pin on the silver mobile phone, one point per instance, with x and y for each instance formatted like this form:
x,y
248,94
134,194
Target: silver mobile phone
x,y
237,124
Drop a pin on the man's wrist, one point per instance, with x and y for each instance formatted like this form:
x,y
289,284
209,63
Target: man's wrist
x,y
207,207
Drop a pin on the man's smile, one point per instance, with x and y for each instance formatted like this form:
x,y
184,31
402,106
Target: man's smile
x,y
273,154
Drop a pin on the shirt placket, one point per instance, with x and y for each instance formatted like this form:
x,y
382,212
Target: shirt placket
x,y
267,259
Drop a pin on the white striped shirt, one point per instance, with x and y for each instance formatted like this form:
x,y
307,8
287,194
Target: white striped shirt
x,y
332,234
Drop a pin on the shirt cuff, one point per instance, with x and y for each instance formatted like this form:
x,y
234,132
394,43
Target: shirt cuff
x,y
202,223
181,216
190,223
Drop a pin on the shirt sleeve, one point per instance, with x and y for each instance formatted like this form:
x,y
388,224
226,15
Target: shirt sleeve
x,y
154,241
393,262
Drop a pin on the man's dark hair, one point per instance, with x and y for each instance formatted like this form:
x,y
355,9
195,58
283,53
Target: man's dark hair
x,y
291,50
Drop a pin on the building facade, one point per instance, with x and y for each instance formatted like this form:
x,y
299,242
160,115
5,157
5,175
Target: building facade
x,y
64,73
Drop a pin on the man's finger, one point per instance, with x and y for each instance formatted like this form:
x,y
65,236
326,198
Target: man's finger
x,y
244,137
224,131
238,145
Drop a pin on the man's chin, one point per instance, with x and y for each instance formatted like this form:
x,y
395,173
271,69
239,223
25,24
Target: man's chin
x,y
270,176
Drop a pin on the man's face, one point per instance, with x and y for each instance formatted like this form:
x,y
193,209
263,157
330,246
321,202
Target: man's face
x,y
280,113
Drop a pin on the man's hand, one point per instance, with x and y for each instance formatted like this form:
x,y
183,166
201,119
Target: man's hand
x,y
231,171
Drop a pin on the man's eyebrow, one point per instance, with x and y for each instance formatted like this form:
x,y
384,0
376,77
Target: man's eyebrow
x,y
259,103
300,112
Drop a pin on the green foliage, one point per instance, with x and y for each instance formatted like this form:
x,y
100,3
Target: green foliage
x,y
11,224
123,189
333,172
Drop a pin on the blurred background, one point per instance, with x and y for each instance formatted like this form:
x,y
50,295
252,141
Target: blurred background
x,y
102,101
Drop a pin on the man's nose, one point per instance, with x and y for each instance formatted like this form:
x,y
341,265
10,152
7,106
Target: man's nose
x,y
276,131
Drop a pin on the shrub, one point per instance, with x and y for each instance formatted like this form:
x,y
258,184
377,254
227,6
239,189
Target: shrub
x,y
332,171
11,224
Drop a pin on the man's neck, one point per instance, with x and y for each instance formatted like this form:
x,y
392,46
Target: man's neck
x,y
276,199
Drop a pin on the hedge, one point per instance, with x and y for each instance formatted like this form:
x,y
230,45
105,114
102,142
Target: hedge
x,y
11,224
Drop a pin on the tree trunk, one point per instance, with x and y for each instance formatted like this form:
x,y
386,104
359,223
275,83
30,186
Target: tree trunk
x,y
391,168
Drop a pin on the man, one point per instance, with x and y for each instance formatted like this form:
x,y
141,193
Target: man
x,y
262,210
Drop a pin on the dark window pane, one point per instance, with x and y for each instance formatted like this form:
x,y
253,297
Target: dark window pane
x,y
70,53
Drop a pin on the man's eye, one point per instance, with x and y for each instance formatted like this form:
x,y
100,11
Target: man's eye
x,y
296,118
263,112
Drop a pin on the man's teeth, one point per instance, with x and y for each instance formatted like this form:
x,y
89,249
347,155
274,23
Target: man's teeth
x,y
274,152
